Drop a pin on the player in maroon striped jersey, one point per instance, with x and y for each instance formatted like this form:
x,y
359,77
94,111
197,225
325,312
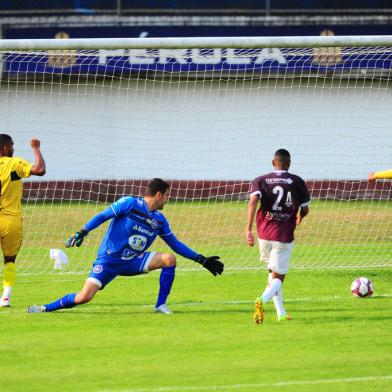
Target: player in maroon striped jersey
x,y
284,202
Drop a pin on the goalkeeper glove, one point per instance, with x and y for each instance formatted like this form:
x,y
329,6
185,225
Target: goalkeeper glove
x,y
213,264
77,238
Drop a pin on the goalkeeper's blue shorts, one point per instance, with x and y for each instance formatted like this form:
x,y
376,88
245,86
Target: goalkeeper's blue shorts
x,y
105,270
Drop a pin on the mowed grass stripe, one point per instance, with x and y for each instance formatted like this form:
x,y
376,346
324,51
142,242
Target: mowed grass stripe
x,y
262,385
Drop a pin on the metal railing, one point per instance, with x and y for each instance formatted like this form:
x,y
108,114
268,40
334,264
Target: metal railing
x,y
123,7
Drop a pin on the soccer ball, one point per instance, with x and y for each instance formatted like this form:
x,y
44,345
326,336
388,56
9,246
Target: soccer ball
x,y
362,287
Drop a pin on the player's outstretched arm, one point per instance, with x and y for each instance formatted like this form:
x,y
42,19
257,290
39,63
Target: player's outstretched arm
x,y
97,220
212,264
385,174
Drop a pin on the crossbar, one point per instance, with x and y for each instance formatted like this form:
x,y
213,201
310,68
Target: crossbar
x,y
196,42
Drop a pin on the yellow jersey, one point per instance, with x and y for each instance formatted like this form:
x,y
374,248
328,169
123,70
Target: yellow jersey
x,y
12,170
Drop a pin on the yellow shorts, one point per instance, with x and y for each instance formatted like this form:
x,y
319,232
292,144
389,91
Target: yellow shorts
x,y
10,234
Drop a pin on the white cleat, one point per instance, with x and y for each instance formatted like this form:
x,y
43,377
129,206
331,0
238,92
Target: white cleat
x,y
36,309
164,309
5,302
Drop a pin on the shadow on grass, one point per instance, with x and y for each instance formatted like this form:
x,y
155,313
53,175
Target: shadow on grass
x,y
175,312
121,309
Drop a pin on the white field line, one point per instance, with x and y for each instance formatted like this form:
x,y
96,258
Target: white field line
x,y
210,303
259,267
278,384
72,276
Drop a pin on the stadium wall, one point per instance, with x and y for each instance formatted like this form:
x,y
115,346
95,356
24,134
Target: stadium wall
x,y
109,191
195,130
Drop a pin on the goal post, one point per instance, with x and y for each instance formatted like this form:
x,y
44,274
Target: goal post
x,y
346,41
206,114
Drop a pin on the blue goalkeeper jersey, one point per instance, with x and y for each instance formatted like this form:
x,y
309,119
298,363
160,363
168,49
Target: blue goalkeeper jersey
x,y
132,230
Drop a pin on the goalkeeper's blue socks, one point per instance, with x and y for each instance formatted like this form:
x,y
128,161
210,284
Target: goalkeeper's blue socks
x,y
166,282
66,302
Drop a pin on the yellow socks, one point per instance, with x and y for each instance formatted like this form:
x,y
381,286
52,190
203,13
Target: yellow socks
x,y
9,278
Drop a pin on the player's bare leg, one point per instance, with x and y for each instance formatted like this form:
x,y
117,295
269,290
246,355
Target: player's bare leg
x,y
162,260
87,293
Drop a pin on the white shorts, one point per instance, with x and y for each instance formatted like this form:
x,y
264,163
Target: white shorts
x,y
276,254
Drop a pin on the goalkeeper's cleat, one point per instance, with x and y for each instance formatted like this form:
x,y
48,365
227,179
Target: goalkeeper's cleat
x,y
285,317
258,315
5,302
164,309
36,309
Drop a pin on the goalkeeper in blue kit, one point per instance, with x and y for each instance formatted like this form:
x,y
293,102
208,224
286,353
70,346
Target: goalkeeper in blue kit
x,y
135,223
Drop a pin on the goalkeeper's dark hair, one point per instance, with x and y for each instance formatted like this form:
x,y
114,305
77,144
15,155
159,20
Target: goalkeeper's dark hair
x,y
283,155
156,185
5,139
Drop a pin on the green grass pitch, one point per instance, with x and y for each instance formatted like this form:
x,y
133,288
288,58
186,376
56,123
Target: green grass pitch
x,y
116,343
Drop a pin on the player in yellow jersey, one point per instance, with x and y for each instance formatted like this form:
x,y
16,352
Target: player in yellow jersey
x,y
12,170
380,175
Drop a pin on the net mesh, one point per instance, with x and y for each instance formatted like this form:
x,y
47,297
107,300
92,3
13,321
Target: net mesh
x,y
208,121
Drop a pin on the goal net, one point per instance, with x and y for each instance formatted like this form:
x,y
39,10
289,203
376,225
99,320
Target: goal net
x,y
208,120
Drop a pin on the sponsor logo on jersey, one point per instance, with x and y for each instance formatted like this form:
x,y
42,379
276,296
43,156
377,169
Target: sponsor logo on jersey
x,y
98,268
128,254
153,223
278,216
278,180
137,242
142,230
